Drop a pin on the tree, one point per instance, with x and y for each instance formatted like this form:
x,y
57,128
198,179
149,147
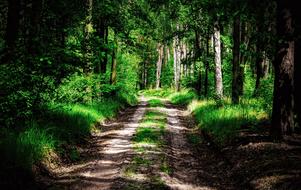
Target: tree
x,y
114,61
218,62
177,63
236,64
283,102
160,50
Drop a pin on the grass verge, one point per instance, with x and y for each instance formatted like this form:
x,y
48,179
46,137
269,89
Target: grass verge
x,y
183,98
223,123
59,130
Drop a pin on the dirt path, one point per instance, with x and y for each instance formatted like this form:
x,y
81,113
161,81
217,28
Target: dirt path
x,y
172,164
109,150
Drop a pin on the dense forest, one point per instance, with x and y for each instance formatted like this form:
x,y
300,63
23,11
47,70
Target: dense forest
x,y
70,69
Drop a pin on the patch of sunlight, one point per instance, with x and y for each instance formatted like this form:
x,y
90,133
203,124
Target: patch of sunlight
x,y
85,110
145,145
153,124
268,182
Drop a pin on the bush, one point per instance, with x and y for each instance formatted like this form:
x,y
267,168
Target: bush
x,y
78,89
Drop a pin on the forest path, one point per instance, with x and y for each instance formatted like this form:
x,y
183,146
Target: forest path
x,y
161,158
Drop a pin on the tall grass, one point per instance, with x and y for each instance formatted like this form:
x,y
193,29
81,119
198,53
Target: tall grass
x,y
72,121
223,123
155,103
183,97
62,124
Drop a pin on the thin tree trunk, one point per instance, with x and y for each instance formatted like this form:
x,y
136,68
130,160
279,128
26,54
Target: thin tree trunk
x,y
218,63
114,61
88,34
283,102
206,85
196,56
236,64
177,64
297,86
160,50
258,63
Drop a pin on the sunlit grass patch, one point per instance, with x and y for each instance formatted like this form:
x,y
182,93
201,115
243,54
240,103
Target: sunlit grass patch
x,y
72,121
154,117
223,122
157,92
155,103
183,98
147,135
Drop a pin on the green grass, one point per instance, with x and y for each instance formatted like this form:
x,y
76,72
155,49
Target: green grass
x,y
183,98
151,128
147,135
62,124
163,93
149,138
155,103
224,122
72,121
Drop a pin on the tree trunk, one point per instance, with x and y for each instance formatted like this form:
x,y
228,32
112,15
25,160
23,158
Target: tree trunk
x,y
196,56
297,86
103,33
259,65
12,28
218,63
114,62
283,102
177,63
160,50
236,64
206,67
88,34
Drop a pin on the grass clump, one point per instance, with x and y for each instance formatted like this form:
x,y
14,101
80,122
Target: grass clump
x,y
163,93
20,151
73,121
155,103
183,98
224,122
